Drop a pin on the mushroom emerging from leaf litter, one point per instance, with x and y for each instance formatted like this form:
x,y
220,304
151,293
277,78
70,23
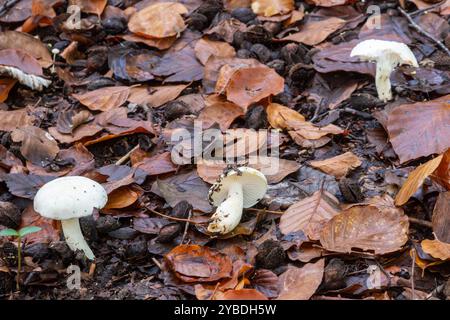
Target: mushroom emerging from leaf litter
x,y
68,199
387,55
237,189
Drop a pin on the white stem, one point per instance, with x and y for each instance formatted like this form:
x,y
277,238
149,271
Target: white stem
x,y
74,237
385,66
228,213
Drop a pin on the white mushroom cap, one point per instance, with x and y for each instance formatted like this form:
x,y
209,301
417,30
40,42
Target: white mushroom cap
x,y
253,182
373,49
69,198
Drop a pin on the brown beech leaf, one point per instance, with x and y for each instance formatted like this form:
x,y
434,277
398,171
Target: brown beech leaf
x,y
205,48
5,86
104,99
155,96
83,131
11,120
314,32
310,214
268,8
27,43
274,169
420,129
442,173
441,217
158,164
301,283
161,44
220,70
123,197
277,115
330,3
21,60
90,6
19,12
338,166
25,186
226,29
309,131
366,228
241,294
250,85
437,249
50,229
68,121
194,263
160,20
222,113
416,179
38,146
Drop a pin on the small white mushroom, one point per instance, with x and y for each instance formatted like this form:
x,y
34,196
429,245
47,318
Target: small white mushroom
x,y
237,189
68,199
387,55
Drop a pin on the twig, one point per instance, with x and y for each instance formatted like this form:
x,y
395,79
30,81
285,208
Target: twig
x,y
174,218
186,227
127,156
158,264
427,9
412,273
4,8
358,113
423,223
422,31
266,211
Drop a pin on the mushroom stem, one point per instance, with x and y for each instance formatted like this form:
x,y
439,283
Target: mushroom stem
x,y
74,237
385,65
228,213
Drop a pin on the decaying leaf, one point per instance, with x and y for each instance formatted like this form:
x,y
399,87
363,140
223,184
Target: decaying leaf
x,y
416,179
441,217
338,166
269,8
11,120
277,115
155,96
157,164
366,228
301,283
194,263
50,229
442,173
70,120
223,113
5,86
310,214
437,249
241,294
123,197
104,99
90,6
330,3
205,48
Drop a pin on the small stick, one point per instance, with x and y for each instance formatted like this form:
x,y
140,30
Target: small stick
x,y
266,211
412,273
127,156
4,8
423,223
174,218
186,227
158,264
422,31
428,9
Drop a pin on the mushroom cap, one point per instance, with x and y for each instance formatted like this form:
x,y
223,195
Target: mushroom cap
x,y
254,186
373,49
69,197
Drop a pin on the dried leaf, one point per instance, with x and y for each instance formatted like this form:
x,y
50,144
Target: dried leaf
x,y
310,214
437,249
104,99
160,20
50,230
269,8
157,164
19,12
155,96
442,173
226,29
205,48
80,133
226,68
330,3
242,294
420,129
68,121
25,186
194,263
222,113
123,197
277,115
11,120
38,146
366,228
5,86
161,44
301,283
338,166
309,131
416,179
90,6
441,217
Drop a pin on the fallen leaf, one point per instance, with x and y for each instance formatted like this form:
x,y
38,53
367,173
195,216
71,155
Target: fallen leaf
x,y
157,164
241,294
50,229
330,3
68,121
437,249
104,99
161,44
5,86
314,32
25,186
81,132
149,225
222,113
266,282
123,197
277,115
338,166
38,146
226,68
90,6
19,12
160,20
205,48
155,96
366,228
310,214
250,85
132,65
11,120
420,129
442,173
301,283
194,263
441,217
269,8
416,179
226,29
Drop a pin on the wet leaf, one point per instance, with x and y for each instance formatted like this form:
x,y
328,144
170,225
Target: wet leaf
x,y
437,249
420,129
441,217
310,214
416,179
338,166
104,99
366,228
194,263
38,146
269,8
155,96
11,120
301,283
205,48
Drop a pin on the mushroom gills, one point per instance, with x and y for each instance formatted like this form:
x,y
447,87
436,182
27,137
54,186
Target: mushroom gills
x,y
229,212
74,237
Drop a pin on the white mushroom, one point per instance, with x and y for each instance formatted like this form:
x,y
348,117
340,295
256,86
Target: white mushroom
x,y
237,189
68,199
387,55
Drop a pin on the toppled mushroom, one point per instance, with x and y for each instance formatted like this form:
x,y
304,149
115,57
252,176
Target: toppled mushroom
x,y
387,55
68,199
237,189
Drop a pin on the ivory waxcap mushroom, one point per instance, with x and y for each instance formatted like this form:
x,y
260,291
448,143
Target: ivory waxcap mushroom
x,y
387,55
237,189
68,199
